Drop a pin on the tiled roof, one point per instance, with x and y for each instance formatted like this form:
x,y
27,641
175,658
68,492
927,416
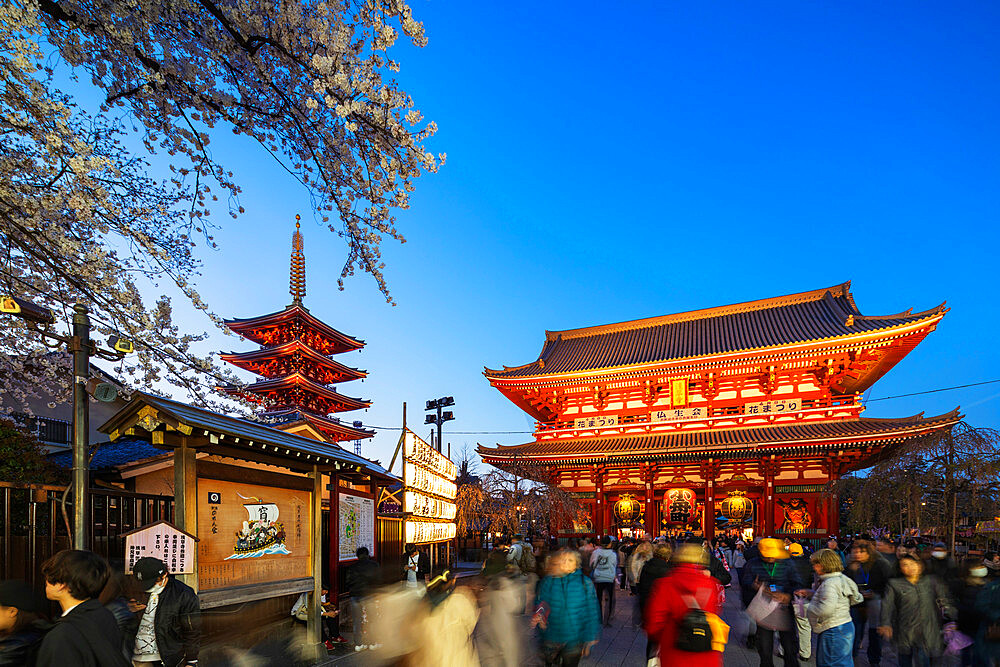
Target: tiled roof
x,y
795,318
250,326
682,444
244,433
113,454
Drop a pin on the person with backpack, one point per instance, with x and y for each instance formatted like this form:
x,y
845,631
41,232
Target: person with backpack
x,y
86,634
603,570
521,559
682,613
567,619
829,610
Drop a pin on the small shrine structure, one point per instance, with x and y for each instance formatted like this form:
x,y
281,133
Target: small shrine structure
x,y
726,419
296,361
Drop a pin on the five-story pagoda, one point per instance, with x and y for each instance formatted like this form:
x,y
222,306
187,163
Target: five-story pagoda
x,y
296,361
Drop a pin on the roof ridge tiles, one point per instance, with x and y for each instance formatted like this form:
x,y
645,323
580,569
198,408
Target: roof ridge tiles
x,y
841,290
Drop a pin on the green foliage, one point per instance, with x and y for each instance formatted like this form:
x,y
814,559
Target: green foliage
x,y
23,460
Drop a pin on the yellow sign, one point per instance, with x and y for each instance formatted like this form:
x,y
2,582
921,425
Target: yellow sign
x,y
433,508
422,532
676,414
679,392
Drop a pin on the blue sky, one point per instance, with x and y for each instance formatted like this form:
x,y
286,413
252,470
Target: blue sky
x,y
612,162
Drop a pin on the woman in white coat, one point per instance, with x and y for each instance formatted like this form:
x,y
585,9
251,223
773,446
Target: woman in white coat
x,y
829,610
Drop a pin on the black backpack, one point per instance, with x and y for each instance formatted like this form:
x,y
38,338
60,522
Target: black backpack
x,y
694,634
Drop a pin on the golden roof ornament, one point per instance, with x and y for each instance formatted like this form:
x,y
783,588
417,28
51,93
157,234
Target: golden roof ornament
x,y
297,274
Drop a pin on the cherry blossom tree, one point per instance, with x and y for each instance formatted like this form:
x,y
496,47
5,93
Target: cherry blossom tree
x,y
81,218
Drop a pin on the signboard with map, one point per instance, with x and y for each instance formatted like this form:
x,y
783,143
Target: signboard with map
x,y
251,534
357,525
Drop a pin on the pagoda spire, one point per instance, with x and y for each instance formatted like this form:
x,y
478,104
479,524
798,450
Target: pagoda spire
x,y
297,273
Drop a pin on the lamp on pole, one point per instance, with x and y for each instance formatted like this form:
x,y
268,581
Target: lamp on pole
x,y
440,417
39,319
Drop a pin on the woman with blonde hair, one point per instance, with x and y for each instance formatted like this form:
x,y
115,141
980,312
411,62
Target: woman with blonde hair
x,y
829,611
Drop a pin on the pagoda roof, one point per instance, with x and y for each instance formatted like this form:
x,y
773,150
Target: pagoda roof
x,y
252,361
333,428
817,315
300,382
255,328
731,443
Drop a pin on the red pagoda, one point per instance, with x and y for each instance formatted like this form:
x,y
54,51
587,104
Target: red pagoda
x,y
728,419
296,361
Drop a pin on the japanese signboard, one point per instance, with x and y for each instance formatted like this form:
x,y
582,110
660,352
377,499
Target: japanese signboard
x,y
419,452
676,414
357,525
433,508
252,534
596,421
429,492
422,532
164,541
678,392
773,407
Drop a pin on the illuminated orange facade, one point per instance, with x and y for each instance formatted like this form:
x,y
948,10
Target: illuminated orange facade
x,y
753,407
296,361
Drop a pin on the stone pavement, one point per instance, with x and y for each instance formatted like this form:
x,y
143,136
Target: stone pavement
x,y
624,644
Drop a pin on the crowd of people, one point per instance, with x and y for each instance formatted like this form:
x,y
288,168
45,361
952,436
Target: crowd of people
x,y
910,598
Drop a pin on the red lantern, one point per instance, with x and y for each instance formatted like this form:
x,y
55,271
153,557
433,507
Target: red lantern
x,y
679,505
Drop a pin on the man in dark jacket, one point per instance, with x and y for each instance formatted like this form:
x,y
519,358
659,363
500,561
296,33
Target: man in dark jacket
x,y
773,572
167,627
363,579
86,634
871,572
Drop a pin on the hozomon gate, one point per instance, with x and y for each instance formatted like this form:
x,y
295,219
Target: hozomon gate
x,y
714,420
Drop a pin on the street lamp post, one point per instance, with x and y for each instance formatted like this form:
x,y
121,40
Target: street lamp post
x,y
441,417
39,319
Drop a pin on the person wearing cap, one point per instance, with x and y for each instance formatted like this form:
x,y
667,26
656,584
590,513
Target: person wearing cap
x,y
86,634
22,624
166,629
772,572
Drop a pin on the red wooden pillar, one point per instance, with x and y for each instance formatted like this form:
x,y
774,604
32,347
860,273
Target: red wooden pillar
x,y
599,501
834,500
333,529
708,523
650,505
767,499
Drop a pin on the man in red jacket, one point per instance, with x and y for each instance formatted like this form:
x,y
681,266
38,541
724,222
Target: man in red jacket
x,y
687,585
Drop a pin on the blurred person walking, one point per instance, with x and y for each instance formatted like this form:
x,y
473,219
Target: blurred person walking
x,y
912,611
654,569
967,591
772,579
22,624
804,568
499,629
682,614
603,570
444,625
86,634
566,615
633,569
363,579
871,572
829,610
988,636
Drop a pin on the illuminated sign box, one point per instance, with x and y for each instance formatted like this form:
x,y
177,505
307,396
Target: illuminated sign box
x,y
419,532
425,506
420,453
427,482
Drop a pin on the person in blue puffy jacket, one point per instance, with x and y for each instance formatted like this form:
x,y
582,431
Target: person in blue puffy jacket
x,y
566,612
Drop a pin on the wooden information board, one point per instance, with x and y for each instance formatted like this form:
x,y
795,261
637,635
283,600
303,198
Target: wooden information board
x,y
251,534
164,541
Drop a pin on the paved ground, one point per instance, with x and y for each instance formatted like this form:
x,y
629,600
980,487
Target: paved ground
x,y
625,645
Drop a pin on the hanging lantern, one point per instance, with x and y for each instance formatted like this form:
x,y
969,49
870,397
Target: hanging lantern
x,y
627,509
679,505
736,507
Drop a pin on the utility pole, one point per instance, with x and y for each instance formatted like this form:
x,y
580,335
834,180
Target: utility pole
x,y
79,346
441,417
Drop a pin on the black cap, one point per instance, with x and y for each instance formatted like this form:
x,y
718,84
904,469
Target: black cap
x,y
18,594
147,570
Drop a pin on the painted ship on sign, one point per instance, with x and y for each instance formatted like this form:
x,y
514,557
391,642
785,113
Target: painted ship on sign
x,y
262,534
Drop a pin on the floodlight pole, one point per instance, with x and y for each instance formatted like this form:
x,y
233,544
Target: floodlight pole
x,y
79,346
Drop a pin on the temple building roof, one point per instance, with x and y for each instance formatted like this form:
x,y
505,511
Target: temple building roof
x,y
683,445
294,323
817,315
284,392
